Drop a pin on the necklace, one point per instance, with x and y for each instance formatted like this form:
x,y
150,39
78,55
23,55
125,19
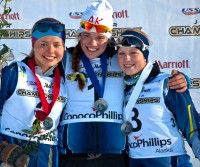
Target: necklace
x,y
131,80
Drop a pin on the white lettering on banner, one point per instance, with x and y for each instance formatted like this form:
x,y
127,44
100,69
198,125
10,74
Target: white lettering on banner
x,y
173,64
16,34
195,83
26,33
70,33
185,30
116,32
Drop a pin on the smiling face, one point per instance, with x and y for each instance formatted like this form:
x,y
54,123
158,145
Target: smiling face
x,y
131,60
48,51
93,44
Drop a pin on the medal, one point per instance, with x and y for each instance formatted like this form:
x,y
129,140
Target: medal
x,y
47,123
126,128
101,105
42,115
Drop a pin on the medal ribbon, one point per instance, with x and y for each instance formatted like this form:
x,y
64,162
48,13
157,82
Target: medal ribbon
x,y
90,71
136,91
42,115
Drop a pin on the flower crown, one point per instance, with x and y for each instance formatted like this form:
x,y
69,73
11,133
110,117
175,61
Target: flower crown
x,y
75,76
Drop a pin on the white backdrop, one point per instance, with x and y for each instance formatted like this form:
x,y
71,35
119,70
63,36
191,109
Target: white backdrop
x,y
173,26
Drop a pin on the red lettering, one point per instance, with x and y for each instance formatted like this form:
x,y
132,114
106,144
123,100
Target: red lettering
x,y
120,14
95,21
10,16
174,64
91,19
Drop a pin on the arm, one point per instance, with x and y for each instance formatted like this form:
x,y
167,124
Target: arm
x,y
179,81
184,111
8,84
185,114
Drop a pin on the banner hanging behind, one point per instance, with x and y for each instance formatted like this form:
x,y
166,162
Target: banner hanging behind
x,y
172,25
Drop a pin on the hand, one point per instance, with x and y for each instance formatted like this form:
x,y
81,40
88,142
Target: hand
x,y
177,81
8,155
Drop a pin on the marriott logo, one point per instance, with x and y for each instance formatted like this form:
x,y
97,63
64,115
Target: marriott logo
x,y
173,64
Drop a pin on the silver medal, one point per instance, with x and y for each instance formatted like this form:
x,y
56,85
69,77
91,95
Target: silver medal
x,y
126,128
47,123
101,105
